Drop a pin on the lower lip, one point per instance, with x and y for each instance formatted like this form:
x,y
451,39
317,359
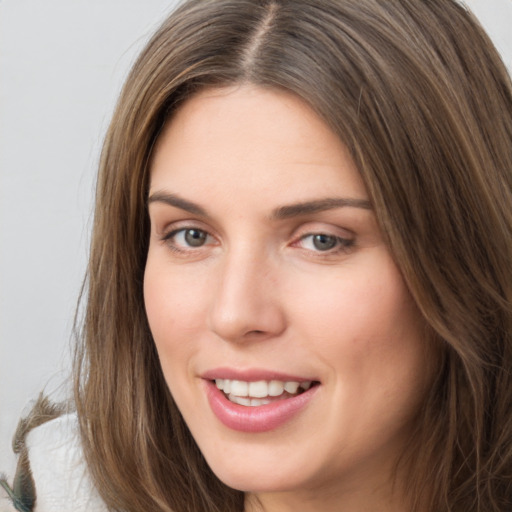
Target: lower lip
x,y
262,418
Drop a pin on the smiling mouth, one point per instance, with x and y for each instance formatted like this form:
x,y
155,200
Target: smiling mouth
x,y
262,392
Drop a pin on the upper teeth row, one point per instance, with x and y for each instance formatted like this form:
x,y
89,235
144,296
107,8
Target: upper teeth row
x,y
260,388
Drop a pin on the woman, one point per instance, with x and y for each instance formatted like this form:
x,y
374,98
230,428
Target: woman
x,y
299,290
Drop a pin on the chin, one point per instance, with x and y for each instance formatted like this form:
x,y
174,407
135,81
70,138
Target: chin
x,y
262,469
255,481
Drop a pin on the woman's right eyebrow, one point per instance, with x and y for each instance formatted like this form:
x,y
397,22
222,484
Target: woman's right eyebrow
x,y
177,202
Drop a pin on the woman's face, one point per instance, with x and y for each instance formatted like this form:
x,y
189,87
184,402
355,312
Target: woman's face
x,y
267,277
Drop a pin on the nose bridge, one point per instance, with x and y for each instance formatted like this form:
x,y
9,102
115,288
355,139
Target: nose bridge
x,y
245,300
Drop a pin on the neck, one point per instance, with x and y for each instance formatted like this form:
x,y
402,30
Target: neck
x,y
364,497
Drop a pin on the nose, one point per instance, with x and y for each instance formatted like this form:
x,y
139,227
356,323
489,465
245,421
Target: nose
x,y
246,305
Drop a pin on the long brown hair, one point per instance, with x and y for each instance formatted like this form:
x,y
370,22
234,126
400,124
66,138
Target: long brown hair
x,y
419,95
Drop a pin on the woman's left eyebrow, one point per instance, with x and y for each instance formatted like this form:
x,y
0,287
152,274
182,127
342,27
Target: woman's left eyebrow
x,y
318,205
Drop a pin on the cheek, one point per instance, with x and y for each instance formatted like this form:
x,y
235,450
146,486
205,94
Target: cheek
x,y
175,311
176,316
365,326
358,302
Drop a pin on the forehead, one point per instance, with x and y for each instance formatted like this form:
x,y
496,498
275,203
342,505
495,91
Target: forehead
x,y
247,137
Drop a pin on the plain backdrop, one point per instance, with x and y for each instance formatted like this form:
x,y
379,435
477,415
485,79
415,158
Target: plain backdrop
x,y
62,64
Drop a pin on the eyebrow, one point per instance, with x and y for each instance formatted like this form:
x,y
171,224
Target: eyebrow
x,y
177,202
318,205
280,213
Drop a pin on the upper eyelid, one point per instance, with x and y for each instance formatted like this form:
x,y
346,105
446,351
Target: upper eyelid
x,y
350,240
179,224
298,232
168,239
317,228
314,233
174,231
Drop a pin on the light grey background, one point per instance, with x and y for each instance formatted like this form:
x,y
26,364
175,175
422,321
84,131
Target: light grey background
x,y
62,64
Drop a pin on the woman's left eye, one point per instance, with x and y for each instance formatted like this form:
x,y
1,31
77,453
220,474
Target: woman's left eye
x,y
323,242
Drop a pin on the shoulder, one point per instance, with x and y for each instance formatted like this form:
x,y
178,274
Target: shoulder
x,y
60,474
52,472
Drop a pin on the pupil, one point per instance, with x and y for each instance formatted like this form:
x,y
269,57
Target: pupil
x,y
324,242
195,238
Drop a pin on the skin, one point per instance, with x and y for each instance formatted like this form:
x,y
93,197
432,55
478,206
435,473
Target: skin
x,y
259,294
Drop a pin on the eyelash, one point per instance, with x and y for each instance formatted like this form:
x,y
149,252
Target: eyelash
x,y
341,245
169,239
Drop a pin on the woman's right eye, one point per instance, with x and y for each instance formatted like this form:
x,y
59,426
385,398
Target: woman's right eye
x,y
188,238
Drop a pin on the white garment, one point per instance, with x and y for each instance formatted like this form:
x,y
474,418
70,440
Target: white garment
x,y
5,502
60,474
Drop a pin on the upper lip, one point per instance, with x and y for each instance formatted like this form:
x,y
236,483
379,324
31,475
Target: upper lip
x,y
253,375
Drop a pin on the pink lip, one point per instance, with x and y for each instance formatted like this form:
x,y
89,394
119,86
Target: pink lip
x,y
254,419
252,375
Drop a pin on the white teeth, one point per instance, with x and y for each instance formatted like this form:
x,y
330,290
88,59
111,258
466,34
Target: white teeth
x,y
255,402
240,400
248,402
275,388
259,389
291,387
239,388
